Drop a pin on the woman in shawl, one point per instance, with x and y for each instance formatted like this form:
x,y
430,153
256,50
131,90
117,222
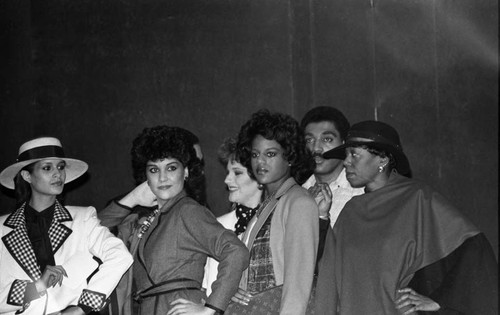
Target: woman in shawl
x,y
401,247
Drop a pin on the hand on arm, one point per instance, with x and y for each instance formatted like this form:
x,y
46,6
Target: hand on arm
x,y
417,302
51,276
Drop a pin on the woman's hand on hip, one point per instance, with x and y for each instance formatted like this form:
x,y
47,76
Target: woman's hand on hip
x,y
242,297
183,306
415,301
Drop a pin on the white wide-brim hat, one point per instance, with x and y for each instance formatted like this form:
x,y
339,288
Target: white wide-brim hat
x,y
40,149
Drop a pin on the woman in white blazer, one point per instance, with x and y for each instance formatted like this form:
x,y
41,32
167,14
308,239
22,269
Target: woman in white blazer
x,y
53,259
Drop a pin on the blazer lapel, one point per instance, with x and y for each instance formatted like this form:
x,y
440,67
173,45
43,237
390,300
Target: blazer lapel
x,y
166,208
266,212
59,232
269,209
19,245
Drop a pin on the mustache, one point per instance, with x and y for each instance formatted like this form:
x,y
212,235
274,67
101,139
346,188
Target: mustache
x,y
317,154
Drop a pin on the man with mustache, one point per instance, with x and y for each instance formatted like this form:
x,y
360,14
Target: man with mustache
x,y
325,128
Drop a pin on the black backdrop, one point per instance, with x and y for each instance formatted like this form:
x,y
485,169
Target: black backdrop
x,y
94,73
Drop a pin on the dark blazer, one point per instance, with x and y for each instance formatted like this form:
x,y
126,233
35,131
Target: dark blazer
x,y
177,245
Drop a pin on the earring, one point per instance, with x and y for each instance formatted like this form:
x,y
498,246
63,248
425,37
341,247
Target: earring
x,y
260,187
381,168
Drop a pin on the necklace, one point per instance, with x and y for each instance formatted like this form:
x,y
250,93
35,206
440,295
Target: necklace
x,y
147,223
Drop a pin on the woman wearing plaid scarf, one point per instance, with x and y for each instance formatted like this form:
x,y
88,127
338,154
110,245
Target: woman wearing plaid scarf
x,y
283,235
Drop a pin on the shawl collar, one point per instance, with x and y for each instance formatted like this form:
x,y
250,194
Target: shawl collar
x,y
266,212
19,245
261,219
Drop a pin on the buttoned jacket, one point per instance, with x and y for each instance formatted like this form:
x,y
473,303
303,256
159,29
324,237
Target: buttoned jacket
x,y
183,235
76,238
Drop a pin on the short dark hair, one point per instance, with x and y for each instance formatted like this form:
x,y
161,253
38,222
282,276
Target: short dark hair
x,y
162,142
327,113
283,129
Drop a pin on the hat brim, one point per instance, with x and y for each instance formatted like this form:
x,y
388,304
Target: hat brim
x,y
74,169
402,163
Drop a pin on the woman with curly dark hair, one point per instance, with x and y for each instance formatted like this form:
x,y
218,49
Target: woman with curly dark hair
x,y
283,236
172,244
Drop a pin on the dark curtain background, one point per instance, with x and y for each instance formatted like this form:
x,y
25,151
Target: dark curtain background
x,y
94,73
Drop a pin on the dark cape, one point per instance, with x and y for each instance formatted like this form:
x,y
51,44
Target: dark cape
x,y
405,235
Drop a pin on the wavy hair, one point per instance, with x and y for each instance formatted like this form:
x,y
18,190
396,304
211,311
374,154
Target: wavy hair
x,y
283,129
162,142
228,152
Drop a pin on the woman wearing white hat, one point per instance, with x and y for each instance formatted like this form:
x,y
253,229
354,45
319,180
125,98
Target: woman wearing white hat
x,y
48,251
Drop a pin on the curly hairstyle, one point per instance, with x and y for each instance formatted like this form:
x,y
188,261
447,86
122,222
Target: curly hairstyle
x,y
227,151
283,129
327,113
162,142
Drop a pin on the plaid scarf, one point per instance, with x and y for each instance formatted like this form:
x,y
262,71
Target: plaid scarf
x,y
261,271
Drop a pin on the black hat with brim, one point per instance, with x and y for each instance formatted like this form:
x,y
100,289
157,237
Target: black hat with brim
x,y
376,135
